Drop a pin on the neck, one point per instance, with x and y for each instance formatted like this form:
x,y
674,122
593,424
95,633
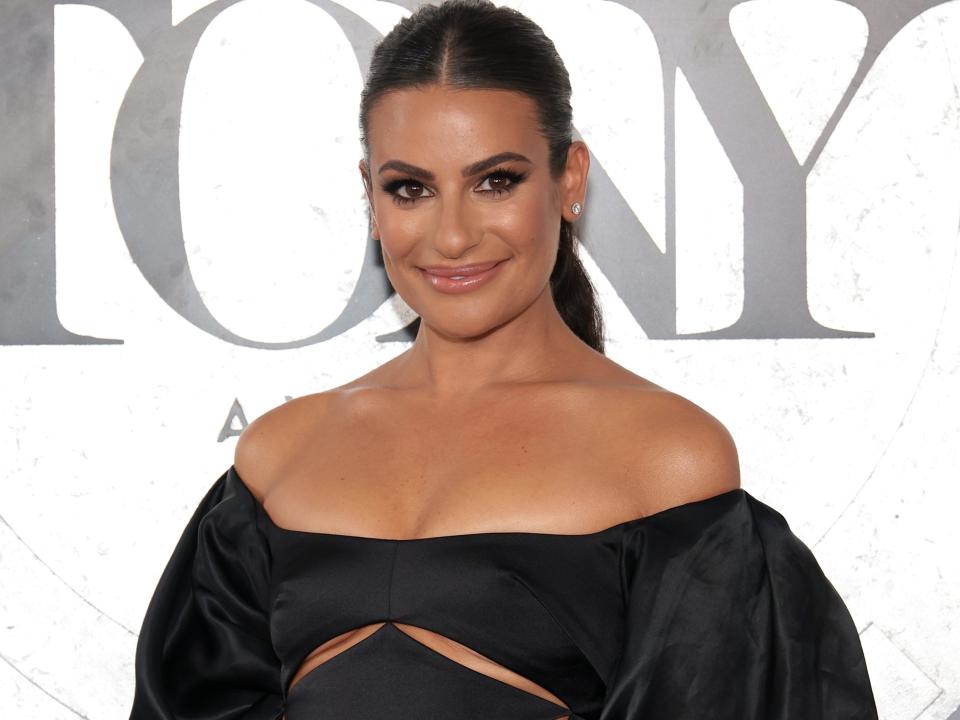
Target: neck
x,y
531,347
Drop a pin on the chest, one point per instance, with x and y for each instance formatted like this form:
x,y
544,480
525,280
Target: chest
x,y
406,472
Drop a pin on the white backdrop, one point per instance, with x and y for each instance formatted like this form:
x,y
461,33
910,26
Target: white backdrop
x,y
107,447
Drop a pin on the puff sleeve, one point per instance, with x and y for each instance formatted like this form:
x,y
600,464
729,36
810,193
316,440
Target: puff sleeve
x,y
204,650
730,617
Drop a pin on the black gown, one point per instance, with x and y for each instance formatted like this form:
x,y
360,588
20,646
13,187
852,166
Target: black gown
x,y
712,609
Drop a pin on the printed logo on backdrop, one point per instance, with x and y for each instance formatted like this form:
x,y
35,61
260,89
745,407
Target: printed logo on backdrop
x,y
695,37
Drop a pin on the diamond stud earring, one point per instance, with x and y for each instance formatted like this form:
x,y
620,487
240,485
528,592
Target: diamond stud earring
x,y
576,208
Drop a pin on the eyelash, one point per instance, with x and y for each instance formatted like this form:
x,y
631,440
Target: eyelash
x,y
515,179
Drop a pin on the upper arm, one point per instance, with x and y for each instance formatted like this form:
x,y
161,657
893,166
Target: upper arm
x,y
691,456
254,456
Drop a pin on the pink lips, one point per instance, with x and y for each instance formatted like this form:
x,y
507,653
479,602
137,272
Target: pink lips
x,y
444,271
463,278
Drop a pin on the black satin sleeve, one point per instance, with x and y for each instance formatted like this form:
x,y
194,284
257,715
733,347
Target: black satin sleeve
x,y
730,617
204,650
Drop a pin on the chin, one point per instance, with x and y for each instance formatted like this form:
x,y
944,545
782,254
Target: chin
x,y
461,325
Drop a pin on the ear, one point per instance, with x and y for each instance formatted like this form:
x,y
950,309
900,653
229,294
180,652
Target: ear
x,y
368,189
573,187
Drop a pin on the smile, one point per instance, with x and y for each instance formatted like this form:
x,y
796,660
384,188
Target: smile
x,y
463,282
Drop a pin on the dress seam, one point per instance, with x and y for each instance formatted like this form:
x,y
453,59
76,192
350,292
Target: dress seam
x,y
393,567
563,629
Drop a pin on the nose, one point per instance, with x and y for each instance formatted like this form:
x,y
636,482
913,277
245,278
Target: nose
x,y
456,230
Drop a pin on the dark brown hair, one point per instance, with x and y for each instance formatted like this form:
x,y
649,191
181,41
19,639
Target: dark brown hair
x,y
475,44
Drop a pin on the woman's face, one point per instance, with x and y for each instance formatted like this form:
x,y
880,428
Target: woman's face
x,y
459,177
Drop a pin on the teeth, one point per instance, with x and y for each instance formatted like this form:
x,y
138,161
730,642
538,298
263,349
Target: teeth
x,y
457,277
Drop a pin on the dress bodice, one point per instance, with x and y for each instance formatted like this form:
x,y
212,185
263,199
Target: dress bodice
x,y
709,609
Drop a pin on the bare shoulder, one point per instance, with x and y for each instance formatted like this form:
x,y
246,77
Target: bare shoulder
x,y
266,445
685,454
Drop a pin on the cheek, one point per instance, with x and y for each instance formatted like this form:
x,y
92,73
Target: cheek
x,y
399,231
527,225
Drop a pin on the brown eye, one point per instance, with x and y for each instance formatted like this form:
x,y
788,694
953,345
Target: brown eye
x,y
415,189
496,183
501,182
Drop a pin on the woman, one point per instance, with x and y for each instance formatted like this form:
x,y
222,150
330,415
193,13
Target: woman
x,y
501,522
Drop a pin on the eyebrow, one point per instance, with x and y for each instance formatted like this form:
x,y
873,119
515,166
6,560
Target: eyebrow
x,y
469,170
